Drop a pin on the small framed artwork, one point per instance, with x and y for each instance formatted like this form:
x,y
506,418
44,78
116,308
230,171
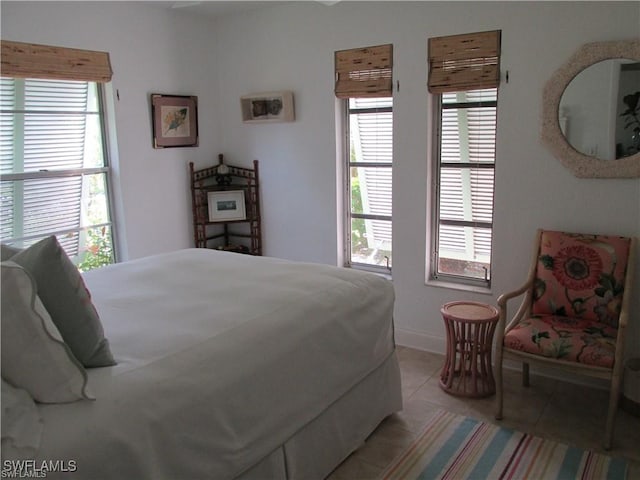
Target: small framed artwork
x,y
226,206
175,120
267,107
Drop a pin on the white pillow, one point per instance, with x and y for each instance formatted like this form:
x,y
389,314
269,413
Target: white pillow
x,y
34,357
21,424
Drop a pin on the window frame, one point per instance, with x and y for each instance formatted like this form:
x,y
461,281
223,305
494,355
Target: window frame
x,y
436,221
106,169
349,215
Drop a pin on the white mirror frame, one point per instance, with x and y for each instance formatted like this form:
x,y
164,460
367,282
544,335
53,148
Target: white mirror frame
x,y
582,165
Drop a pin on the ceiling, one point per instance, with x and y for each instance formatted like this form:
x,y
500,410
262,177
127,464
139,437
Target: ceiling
x,y
215,8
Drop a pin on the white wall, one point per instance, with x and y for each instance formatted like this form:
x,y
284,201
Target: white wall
x,y
290,47
151,51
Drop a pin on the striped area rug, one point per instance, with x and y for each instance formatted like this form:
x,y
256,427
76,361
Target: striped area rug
x,y
456,447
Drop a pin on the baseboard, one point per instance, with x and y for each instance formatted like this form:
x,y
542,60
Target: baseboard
x,y
420,341
430,343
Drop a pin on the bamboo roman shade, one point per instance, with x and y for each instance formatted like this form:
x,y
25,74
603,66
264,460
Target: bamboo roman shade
x,y
464,62
28,60
364,72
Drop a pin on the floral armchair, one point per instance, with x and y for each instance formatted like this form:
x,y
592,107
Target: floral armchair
x,y
574,312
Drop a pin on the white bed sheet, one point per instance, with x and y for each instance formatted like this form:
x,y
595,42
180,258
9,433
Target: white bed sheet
x,y
221,358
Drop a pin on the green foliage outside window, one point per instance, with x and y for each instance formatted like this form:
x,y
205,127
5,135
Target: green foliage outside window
x,y
358,237
96,244
99,250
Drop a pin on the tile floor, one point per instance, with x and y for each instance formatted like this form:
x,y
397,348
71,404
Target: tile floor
x,y
549,408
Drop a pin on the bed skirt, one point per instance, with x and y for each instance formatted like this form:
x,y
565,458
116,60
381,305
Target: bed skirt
x,y
321,445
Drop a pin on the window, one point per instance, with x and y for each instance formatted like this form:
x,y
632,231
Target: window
x,y
364,80
53,166
464,185
464,75
370,155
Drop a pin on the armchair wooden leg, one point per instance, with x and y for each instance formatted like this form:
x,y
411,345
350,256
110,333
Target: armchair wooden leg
x,y
498,375
525,374
611,418
614,399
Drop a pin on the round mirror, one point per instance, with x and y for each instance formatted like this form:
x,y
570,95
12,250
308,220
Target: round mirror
x,y
599,112
591,108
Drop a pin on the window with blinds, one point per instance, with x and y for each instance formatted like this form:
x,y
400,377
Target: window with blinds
x,y
465,187
465,157
370,131
53,167
363,77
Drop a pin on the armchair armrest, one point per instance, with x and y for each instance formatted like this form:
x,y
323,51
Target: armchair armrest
x,y
524,305
502,299
526,289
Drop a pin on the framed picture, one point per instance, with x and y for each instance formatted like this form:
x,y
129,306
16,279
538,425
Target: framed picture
x,y
175,120
226,206
267,107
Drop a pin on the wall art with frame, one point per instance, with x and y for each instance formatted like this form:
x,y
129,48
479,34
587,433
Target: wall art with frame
x,y
267,107
226,206
175,120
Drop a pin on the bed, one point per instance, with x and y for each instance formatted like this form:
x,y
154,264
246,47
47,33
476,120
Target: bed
x,y
229,366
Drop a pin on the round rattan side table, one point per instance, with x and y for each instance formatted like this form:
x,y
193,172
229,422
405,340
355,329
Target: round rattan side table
x,y
467,371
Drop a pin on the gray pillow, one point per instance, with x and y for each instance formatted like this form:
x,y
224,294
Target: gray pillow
x,y
64,295
34,357
7,251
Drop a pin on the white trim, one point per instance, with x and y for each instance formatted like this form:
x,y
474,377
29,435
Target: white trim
x,y
420,341
77,172
467,287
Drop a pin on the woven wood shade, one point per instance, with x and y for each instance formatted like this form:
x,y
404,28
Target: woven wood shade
x,y
364,72
464,62
28,60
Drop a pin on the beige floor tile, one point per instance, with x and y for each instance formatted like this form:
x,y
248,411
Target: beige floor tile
x,y
354,468
573,427
416,369
549,408
432,392
385,445
626,438
416,414
581,399
522,406
634,471
512,381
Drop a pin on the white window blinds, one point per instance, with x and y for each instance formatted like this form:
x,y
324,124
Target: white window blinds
x,y
51,160
372,140
466,179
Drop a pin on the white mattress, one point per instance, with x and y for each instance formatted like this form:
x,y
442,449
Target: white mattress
x,y
221,358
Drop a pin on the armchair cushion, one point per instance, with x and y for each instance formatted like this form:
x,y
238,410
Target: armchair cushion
x,y
569,339
580,276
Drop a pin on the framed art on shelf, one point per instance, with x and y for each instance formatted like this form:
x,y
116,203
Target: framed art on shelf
x,y
226,206
267,107
175,120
